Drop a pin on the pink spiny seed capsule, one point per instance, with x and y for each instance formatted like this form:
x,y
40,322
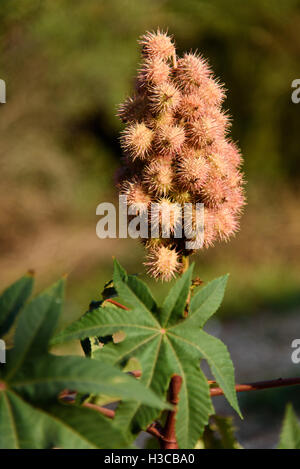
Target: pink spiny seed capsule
x,y
192,71
163,262
204,131
137,198
211,93
209,230
191,106
229,151
182,197
169,139
214,192
235,200
164,97
136,140
133,109
225,223
195,104
234,178
157,44
217,164
153,72
222,118
161,120
192,171
158,175
209,234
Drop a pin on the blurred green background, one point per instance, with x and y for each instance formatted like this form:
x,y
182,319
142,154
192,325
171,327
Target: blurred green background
x,y
67,65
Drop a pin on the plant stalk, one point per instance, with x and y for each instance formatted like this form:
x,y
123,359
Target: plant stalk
x,y
168,440
275,383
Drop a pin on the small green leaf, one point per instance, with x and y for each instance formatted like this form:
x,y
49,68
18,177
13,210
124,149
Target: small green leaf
x,y
174,304
132,291
142,292
290,433
206,302
12,300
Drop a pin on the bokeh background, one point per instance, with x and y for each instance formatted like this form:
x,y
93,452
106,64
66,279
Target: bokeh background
x,y
67,64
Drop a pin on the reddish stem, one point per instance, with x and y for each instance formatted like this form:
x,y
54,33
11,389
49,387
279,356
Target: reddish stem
x,y
168,440
135,373
113,302
167,436
152,429
103,410
276,383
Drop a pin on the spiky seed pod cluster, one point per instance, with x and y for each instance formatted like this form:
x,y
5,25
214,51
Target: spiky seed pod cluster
x,y
176,150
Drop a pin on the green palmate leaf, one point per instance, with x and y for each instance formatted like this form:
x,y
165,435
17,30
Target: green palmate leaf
x,y
164,344
290,433
25,426
12,300
31,380
40,379
36,325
